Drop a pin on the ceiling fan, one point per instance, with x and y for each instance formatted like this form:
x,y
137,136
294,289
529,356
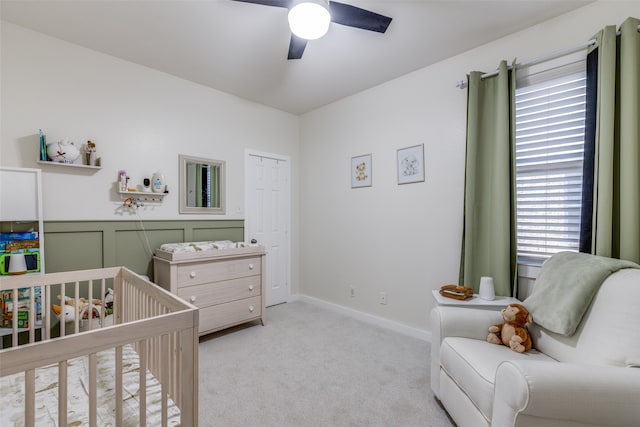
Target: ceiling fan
x,y
332,11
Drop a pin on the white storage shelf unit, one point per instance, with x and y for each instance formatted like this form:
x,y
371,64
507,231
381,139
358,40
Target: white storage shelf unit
x,y
21,210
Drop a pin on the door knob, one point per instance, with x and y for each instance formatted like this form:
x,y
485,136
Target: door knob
x,y
254,241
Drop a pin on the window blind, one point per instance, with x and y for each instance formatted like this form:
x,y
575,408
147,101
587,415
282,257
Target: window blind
x,y
550,123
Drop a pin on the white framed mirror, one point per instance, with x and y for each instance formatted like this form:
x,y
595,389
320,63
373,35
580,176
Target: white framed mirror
x,y
202,185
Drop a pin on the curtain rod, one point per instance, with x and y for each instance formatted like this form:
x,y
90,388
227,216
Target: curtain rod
x,y
463,83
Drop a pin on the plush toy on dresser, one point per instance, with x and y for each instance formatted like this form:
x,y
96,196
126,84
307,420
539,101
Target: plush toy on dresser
x,y
513,332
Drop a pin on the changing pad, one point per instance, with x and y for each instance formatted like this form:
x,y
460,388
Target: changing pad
x,y
177,248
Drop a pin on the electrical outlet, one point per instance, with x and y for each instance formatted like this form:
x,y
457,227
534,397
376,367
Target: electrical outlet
x,y
352,291
383,298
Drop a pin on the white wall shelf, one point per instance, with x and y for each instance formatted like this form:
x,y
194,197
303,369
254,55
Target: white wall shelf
x,y
143,195
70,165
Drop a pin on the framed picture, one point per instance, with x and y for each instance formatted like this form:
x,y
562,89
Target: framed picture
x,y
411,164
361,171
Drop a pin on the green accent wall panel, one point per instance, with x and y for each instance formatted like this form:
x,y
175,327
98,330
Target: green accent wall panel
x,y
207,234
78,245
134,248
79,250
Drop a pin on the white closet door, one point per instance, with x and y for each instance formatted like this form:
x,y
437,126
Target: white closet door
x,y
268,220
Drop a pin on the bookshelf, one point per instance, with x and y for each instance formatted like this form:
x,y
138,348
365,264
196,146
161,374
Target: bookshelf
x,y
20,221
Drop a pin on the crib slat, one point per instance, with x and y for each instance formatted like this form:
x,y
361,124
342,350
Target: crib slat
x,y
143,382
189,378
103,296
172,367
93,390
14,321
29,397
62,393
76,295
179,361
32,315
90,306
119,384
63,317
46,333
164,355
117,302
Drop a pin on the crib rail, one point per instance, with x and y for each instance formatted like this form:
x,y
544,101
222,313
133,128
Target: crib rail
x,y
162,329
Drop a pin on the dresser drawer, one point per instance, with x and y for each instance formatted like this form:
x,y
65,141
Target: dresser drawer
x,y
220,292
220,316
206,272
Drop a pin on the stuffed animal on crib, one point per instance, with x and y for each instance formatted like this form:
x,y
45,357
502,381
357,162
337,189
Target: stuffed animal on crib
x,y
69,312
108,301
513,332
82,307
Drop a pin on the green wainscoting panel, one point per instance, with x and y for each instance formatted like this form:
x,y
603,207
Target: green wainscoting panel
x,y
201,234
75,250
77,245
134,248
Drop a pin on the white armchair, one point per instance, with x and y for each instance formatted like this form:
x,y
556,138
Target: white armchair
x,y
591,378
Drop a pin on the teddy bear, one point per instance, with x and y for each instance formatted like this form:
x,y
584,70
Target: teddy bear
x,y
512,332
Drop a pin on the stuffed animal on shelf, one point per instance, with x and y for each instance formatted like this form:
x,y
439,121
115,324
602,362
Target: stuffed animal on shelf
x,y
513,332
63,151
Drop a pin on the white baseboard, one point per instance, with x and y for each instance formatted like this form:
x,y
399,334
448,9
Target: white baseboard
x,y
366,317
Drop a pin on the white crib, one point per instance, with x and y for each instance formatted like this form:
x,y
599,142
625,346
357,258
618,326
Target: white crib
x,y
140,370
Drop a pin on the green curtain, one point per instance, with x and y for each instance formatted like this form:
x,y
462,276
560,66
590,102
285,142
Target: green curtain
x,y
489,230
616,205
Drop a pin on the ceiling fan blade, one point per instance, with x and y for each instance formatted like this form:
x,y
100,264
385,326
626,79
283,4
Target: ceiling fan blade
x,y
277,3
352,16
296,47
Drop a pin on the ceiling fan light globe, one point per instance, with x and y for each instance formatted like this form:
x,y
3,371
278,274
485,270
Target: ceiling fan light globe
x,y
309,20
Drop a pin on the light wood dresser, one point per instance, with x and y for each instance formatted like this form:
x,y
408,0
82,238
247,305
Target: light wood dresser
x,y
227,285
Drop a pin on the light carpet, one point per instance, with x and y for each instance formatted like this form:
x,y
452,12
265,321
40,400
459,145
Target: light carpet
x,y
310,366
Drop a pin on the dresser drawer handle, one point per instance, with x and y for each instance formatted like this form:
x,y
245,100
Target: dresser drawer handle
x,y
250,266
251,308
192,274
250,287
193,298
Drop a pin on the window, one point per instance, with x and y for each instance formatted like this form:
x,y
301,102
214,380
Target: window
x,y
550,123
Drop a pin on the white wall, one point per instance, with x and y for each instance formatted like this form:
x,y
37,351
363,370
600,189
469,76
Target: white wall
x,y
140,119
405,240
